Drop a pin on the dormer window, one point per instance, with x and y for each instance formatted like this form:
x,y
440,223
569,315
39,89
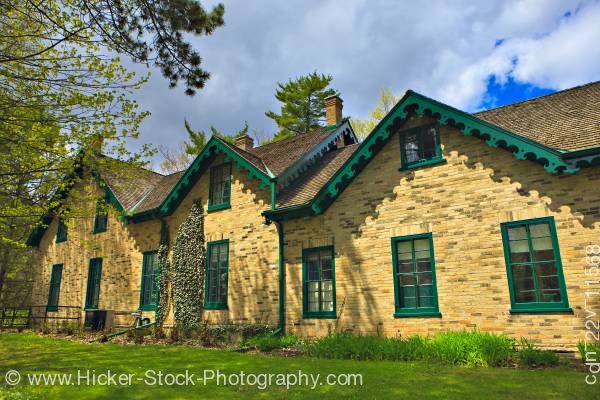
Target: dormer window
x,y
420,146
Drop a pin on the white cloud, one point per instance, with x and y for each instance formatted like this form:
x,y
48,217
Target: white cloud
x,y
445,50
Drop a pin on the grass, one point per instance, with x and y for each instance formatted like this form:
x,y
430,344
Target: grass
x,y
29,353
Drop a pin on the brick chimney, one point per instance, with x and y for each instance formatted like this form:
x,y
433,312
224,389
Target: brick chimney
x,y
244,142
333,110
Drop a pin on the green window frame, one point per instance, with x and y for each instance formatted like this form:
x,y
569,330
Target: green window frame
x,y
148,286
219,196
101,219
420,146
318,282
217,274
415,285
92,295
534,267
61,231
54,290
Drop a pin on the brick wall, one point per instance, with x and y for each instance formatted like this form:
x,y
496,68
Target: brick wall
x,y
463,203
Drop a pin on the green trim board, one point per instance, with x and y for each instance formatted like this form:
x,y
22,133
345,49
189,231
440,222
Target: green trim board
x,y
415,284
318,278
216,279
534,267
92,294
54,289
148,286
523,148
213,147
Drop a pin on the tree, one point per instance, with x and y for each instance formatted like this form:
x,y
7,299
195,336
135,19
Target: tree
x,y
63,92
183,156
303,104
146,31
386,102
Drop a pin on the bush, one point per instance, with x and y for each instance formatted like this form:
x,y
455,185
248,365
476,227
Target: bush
x,y
589,351
271,342
471,348
531,356
457,348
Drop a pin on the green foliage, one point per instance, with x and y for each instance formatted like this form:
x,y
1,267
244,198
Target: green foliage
x,y
455,348
302,104
589,350
197,139
531,356
272,342
187,270
164,278
387,100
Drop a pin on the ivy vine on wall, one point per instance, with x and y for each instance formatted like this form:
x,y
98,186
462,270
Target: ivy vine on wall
x,y
187,269
164,277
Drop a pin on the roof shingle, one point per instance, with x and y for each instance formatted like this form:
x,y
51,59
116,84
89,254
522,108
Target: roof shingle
x,y
566,120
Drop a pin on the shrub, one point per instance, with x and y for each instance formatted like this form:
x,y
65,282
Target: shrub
x,y
531,356
457,348
471,348
589,351
270,342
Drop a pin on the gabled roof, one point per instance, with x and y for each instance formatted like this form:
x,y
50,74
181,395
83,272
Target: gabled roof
x,y
278,156
523,147
315,177
565,121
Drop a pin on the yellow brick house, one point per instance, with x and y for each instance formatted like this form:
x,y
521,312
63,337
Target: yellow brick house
x,y
438,220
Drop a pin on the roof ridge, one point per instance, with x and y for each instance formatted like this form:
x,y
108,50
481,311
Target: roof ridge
x,y
135,166
262,146
539,97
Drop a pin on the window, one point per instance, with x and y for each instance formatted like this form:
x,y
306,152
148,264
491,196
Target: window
x,y
217,266
220,187
54,291
420,146
414,276
93,284
61,231
318,282
533,265
101,220
149,289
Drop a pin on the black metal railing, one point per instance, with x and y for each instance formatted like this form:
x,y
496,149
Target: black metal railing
x,y
32,316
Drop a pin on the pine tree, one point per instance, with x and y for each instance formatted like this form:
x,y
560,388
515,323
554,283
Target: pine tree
x,y
303,104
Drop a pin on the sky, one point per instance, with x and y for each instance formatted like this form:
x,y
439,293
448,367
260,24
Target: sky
x,y
472,55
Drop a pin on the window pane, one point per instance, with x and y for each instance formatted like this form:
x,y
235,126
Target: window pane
x,y
326,272
423,263
517,233
523,281
539,230
405,266
424,279
542,249
312,264
519,251
404,246
429,142
422,245
411,148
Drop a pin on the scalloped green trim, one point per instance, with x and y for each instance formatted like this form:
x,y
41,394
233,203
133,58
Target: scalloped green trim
x,y
213,147
468,124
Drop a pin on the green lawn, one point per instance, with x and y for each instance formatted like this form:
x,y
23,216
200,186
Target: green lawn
x,y
28,353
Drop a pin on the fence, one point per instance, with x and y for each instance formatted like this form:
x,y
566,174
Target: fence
x,y
31,316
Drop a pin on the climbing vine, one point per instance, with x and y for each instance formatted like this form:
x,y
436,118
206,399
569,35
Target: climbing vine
x,y
187,272
164,277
